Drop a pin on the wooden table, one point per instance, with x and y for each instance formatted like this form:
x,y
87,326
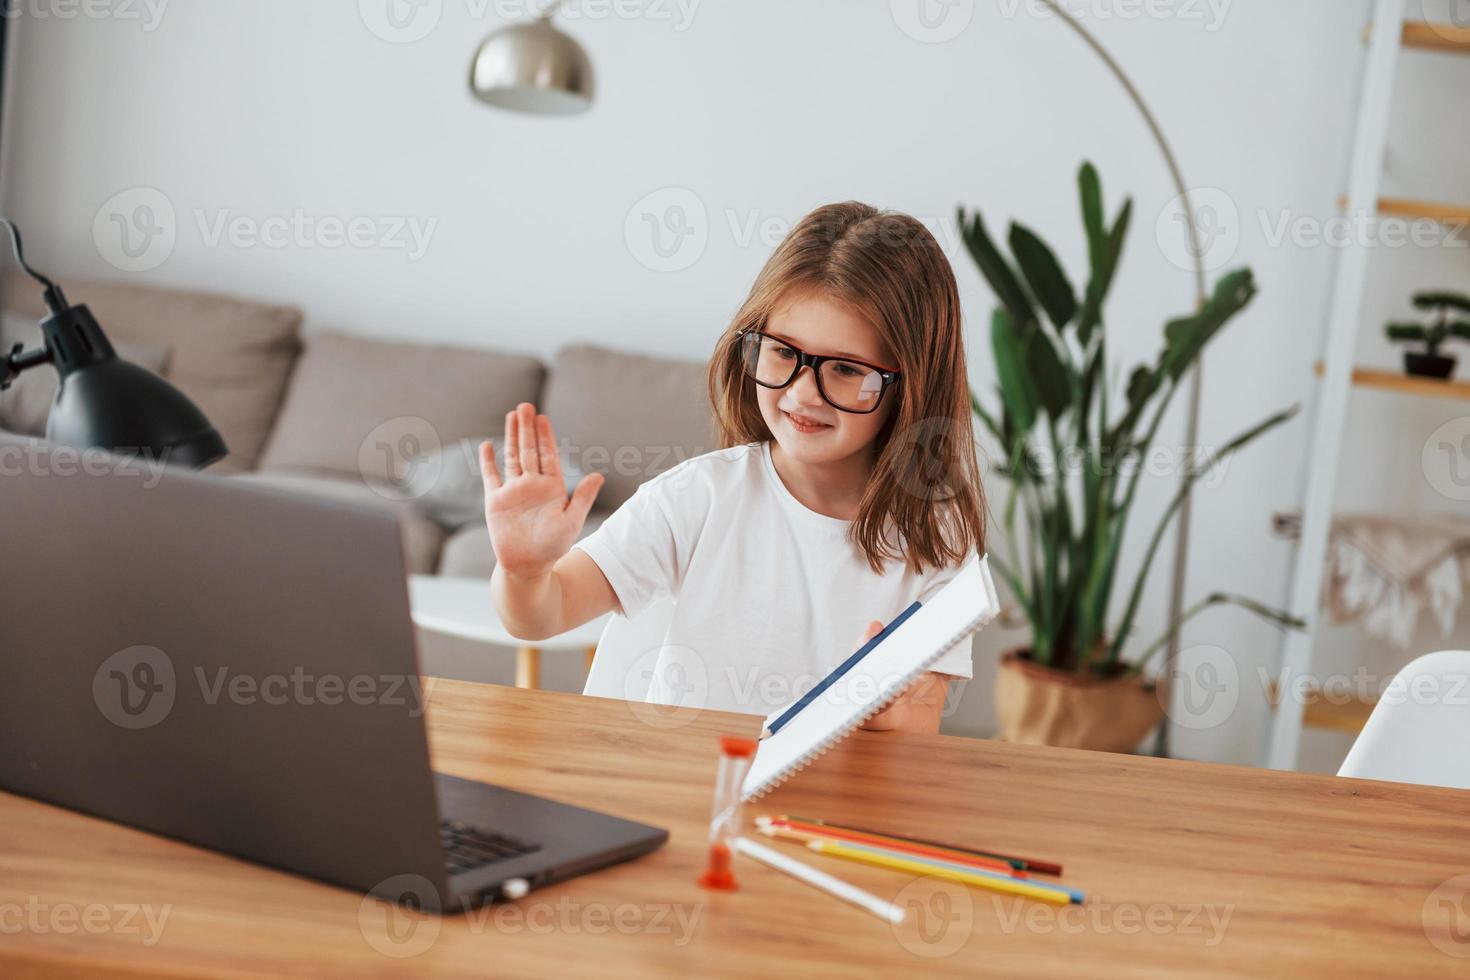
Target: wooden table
x,y
462,607
1190,869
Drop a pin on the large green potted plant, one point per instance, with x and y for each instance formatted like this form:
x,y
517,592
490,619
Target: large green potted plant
x,y
1070,452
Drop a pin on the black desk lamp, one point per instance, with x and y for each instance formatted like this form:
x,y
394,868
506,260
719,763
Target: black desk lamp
x,y
104,401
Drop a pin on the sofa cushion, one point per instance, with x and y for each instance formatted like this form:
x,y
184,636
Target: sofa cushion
x,y
628,416
422,538
467,552
26,404
231,356
374,409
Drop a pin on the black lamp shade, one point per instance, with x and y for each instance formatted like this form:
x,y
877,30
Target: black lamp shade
x,y
104,401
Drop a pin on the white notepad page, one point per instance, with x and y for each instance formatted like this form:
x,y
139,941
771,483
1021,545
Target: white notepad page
x,y
965,604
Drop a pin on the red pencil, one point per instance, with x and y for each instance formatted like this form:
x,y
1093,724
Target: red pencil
x,y
826,832
892,840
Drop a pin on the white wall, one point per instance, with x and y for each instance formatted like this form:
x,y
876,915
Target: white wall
x,y
762,109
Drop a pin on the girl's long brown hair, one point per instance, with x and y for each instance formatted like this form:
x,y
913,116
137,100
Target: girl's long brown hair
x,y
923,504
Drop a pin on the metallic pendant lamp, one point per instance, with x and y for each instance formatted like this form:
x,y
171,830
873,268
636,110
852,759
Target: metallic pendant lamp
x,y
533,68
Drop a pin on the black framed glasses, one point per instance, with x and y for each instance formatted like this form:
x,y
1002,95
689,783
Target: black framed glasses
x,y
845,384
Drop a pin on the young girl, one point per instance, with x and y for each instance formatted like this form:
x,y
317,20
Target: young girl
x,y
848,487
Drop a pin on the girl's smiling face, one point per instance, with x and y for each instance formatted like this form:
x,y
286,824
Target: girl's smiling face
x,y
804,425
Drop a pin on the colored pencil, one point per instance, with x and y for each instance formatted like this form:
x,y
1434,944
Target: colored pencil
x,y
803,833
835,887
977,879
1023,863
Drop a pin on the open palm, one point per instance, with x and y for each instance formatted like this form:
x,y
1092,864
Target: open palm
x,y
532,520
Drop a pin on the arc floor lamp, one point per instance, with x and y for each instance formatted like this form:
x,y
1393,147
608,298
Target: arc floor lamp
x,y
534,67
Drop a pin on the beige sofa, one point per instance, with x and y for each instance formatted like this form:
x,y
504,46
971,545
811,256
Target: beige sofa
x,y
332,414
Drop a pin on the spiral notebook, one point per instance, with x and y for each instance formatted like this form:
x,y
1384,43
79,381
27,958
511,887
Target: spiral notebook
x,y
869,680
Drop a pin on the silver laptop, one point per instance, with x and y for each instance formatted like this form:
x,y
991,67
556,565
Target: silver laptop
x,y
234,666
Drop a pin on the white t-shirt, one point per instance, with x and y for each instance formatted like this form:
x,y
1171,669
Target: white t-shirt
x,y
769,595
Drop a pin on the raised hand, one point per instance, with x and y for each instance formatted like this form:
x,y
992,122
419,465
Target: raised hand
x,y
532,520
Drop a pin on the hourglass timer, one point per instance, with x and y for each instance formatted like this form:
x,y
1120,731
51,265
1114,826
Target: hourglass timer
x,y
736,755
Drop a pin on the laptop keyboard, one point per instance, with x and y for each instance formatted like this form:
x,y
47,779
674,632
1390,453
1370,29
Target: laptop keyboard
x,y
467,847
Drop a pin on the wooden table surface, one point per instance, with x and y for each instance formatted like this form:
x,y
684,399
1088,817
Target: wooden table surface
x,y
1189,869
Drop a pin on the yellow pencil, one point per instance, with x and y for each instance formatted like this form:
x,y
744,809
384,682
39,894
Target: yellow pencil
x,y
1012,886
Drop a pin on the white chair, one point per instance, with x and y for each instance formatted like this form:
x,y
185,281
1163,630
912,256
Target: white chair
x,y
616,671
1419,732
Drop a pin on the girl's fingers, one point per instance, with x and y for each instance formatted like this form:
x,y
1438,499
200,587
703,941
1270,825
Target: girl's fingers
x,y
488,473
582,497
512,439
546,447
874,628
526,423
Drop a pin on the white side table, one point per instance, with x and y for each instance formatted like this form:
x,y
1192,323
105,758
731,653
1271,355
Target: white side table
x,y
462,607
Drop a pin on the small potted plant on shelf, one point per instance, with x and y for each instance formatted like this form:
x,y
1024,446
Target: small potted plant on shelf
x,y
1430,363
1071,454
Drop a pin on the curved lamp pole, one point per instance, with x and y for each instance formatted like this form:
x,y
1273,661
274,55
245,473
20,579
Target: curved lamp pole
x,y
1196,377
536,69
